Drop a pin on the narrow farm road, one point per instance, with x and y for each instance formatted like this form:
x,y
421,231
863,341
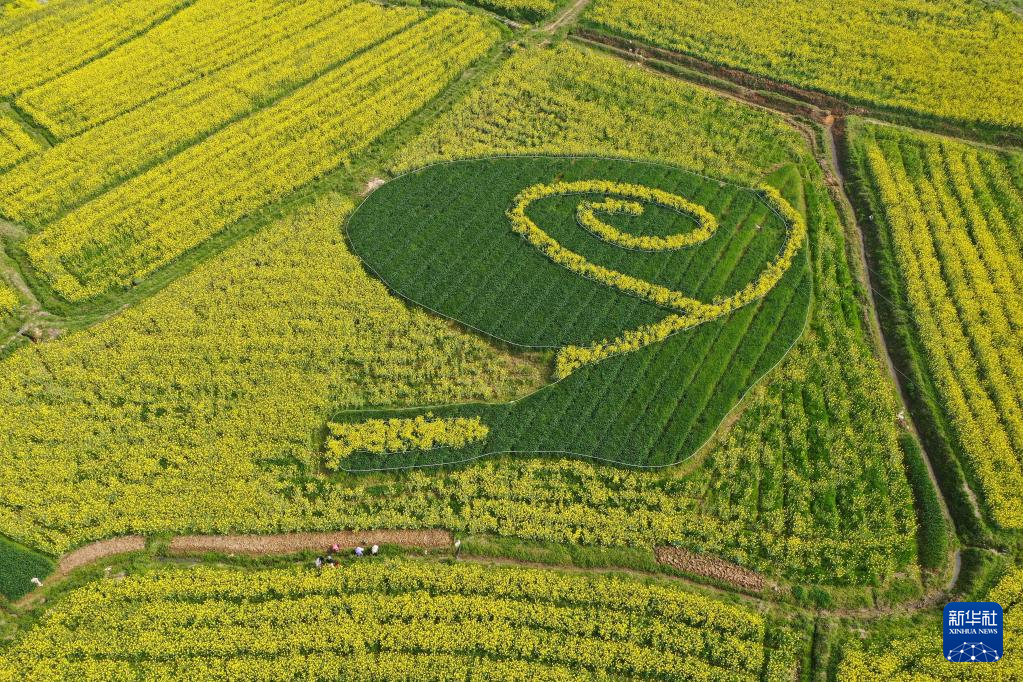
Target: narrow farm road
x,y
279,544
285,544
566,16
868,279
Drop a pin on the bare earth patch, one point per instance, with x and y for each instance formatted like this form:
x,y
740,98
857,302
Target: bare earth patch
x,y
371,185
92,553
291,543
709,567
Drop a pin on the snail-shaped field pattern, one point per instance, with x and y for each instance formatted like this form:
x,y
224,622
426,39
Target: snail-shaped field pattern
x,y
661,296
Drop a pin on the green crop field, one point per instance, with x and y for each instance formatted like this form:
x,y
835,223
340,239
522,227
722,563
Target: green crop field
x,y
650,407
18,565
508,339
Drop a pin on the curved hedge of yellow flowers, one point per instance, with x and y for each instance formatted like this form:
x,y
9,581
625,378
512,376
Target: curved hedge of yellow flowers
x,y
586,215
690,312
399,435
373,619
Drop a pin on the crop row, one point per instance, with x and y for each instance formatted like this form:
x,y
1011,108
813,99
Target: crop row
x,y
127,233
936,58
959,256
193,44
586,216
597,625
42,45
15,142
9,301
65,176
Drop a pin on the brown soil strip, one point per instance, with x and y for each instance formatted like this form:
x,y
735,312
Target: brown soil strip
x,y
291,543
710,567
98,550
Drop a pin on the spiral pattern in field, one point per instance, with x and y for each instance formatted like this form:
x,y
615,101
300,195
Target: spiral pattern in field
x,y
624,198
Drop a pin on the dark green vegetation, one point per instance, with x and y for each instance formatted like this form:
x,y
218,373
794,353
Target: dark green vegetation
x,y
18,565
932,532
440,238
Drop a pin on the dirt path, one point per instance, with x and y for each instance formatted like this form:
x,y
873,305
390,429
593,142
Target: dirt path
x,y
292,543
284,544
96,551
834,134
833,167
567,16
250,545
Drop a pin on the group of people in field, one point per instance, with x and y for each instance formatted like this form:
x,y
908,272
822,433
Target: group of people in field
x,y
332,555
